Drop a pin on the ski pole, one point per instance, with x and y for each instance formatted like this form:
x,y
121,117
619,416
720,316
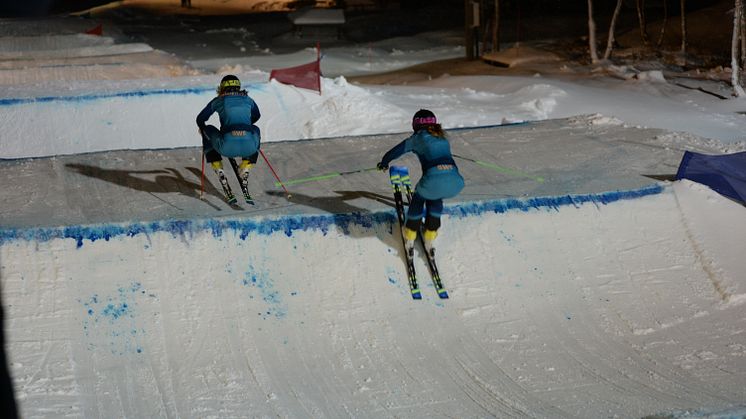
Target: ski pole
x,y
326,176
504,170
274,173
202,178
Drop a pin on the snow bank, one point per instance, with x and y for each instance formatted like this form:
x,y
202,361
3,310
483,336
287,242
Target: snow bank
x,y
165,118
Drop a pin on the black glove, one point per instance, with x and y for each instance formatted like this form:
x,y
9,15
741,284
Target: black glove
x,y
382,166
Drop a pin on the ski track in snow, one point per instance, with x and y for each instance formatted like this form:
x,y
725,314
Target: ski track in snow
x,y
616,304
557,309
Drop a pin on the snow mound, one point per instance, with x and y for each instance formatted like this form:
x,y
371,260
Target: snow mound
x,y
655,76
539,100
693,142
341,109
596,119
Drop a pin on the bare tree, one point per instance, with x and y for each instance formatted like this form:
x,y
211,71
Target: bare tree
x,y
491,33
735,68
683,27
592,33
743,38
496,28
612,28
643,21
663,26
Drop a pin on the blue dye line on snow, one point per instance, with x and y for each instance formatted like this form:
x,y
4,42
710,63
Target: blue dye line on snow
x,y
100,96
290,224
554,202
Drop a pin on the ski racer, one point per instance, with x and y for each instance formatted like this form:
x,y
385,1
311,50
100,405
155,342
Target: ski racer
x,y
237,136
440,176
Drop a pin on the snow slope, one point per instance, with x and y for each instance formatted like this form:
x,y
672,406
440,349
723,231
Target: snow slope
x,y
616,304
610,303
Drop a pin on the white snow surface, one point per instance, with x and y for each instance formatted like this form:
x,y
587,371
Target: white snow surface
x,y
159,113
623,309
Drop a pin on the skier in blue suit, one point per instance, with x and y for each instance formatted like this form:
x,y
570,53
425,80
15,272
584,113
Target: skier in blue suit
x,y
440,176
237,136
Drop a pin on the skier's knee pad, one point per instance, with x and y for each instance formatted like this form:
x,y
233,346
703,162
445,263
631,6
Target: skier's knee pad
x,y
432,223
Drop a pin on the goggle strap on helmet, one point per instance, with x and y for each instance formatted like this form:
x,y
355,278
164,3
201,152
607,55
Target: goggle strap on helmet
x,y
429,120
229,83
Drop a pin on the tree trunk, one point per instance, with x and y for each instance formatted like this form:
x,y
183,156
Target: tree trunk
x,y
742,36
683,27
496,28
592,33
665,22
643,22
735,68
612,29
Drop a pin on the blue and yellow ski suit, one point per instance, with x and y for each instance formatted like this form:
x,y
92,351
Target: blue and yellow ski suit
x,y
237,136
440,177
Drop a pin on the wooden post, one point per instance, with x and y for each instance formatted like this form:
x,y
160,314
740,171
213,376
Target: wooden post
x,y
468,34
496,28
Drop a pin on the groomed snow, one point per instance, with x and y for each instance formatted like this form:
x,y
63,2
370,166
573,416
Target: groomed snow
x,y
606,304
159,113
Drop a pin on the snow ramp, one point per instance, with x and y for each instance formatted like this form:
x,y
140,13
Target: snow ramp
x,y
616,304
580,286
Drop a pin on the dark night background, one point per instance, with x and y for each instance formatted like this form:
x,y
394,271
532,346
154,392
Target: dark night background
x,y
528,7
520,20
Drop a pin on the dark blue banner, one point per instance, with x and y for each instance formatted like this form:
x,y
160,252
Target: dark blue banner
x,y
725,174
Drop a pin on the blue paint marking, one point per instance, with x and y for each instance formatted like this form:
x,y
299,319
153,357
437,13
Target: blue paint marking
x,y
115,311
553,202
112,321
392,274
261,280
136,94
87,98
290,224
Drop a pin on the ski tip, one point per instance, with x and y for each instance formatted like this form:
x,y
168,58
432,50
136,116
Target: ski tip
x,y
416,295
443,294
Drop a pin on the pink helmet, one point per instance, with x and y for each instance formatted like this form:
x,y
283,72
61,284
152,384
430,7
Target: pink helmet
x,y
422,119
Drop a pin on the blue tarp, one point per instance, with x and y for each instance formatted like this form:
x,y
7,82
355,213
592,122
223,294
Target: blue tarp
x,y
725,174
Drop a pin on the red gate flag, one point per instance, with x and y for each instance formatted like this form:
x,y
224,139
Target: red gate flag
x,y
98,30
307,76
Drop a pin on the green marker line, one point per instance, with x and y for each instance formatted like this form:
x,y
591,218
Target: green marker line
x,y
309,179
323,177
504,170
